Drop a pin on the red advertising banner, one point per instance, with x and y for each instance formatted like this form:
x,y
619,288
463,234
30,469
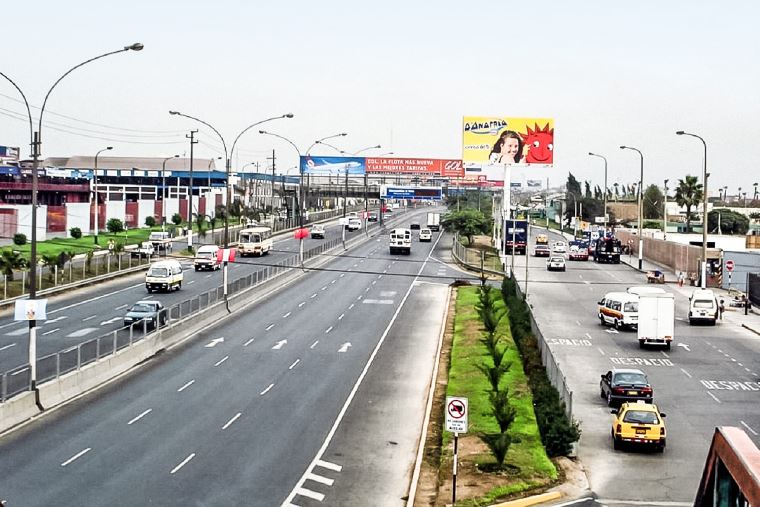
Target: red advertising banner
x,y
430,166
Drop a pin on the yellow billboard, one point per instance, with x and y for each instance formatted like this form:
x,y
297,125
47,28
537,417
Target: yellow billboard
x,y
501,140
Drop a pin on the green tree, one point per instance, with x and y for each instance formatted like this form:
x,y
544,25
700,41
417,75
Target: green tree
x,y
177,219
688,195
10,260
150,221
731,222
114,225
572,187
201,222
467,223
652,204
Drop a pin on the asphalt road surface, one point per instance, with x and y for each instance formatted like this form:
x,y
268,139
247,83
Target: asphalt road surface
x,y
708,379
316,393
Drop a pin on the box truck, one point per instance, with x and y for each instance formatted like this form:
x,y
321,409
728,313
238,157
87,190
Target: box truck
x,y
657,317
434,221
515,236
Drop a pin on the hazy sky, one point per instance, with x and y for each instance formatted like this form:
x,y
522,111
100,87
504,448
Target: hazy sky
x,y
401,74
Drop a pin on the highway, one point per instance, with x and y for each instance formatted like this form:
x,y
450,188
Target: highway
x,y
709,378
314,396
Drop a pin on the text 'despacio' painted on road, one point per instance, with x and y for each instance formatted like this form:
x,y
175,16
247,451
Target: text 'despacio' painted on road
x,y
641,361
567,341
730,385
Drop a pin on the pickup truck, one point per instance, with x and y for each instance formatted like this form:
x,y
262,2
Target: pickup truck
x,y
145,250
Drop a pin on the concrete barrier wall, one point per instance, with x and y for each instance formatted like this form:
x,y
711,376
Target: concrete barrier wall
x,y
676,256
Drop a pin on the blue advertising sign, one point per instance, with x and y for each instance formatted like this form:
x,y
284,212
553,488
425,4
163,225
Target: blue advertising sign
x,y
355,166
419,193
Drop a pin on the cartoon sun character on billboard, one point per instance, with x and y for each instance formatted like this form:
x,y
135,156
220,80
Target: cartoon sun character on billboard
x,y
540,144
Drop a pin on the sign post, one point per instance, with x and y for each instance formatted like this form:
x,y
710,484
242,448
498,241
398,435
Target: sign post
x,y
456,422
730,268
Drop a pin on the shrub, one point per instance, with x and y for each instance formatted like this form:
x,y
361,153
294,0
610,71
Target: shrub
x,y
150,221
176,219
75,232
503,412
114,225
19,239
499,444
494,373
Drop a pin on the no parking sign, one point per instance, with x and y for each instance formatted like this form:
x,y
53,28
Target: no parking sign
x,y
456,414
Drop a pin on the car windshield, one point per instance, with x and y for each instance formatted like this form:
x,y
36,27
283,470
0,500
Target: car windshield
x,y
158,272
703,303
250,238
630,378
631,307
641,417
141,308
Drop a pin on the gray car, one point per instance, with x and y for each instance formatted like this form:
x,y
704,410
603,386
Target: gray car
x,y
620,385
151,311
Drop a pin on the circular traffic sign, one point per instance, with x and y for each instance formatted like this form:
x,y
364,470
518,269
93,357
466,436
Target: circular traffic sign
x,y
456,409
730,265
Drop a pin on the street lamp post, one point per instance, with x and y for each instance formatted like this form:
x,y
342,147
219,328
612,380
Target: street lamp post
x,y
208,169
95,188
641,186
665,212
319,141
704,206
164,194
605,188
36,143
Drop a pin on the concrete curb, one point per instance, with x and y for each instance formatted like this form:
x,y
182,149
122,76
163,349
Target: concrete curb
x,y
531,500
745,326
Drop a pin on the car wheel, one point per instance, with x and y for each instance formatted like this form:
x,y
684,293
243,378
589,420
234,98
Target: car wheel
x,y
615,443
179,285
661,448
196,268
601,320
641,344
609,399
618,325
150,291
713,322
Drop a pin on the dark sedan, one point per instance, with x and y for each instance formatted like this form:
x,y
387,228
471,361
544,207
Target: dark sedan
x,y
621,385
151,311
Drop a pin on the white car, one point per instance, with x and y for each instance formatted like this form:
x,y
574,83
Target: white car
x,y
354,224
426,235
555,263
559,247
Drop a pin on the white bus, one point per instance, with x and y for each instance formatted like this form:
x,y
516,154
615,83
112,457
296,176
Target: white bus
x,y
400,241
255,241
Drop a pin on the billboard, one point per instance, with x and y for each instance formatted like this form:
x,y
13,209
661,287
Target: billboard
x,y
9,154
418,193
423,166
324,166
535,183
502,140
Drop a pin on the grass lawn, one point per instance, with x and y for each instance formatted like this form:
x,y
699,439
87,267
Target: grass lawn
x,y
527,460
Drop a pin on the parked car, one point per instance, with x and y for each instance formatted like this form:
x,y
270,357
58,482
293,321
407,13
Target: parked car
x,y
151,311
621,384
318,231
638,423
426,235
555,264
542,251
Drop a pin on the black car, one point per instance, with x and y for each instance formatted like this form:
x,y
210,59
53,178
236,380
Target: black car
x,y
151,311
621,385
372,216
414,225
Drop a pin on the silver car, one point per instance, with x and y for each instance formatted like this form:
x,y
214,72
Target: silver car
x,y
555,263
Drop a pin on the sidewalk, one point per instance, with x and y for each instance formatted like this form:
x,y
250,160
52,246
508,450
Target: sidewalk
x,y
732,316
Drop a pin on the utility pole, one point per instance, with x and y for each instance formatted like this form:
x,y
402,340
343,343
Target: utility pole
x,y
345,197
271,201
193,142
665,213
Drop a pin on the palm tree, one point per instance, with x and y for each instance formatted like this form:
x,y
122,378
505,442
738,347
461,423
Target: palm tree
x,y
10,260
201,223
689,194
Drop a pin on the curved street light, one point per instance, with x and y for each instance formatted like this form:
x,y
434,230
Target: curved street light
x,y
641,189
228,160
95,189
376,147
319,141
605,188
36,143
704,206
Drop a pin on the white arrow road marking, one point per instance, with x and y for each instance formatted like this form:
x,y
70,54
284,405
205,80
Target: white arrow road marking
x,y
76,456
13,345
262,393
684,346
186,386
184,462
140,416
51,331
612,331
344,347
234,418
110,321
213,343
279,344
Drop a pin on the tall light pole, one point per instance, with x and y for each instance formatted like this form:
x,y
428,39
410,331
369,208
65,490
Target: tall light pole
x,y
704,206
605,188
641,186
228,161
36,143
300,173
164,194
665,212
319,141
95,188
208,169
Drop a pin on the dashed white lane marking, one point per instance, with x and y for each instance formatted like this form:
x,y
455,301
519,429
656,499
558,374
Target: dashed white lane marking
x,y
333,281
120,307
713,396
76,456
234,418
89,318
746,369
140,416
301,304
248,342
318,478
313,296
191,282
270,326
330,466
7,346
379,277
184,462
385,271
357,298
310,494
600,350
355,265
17,332
262,393
720,351
186,386
366,290
342,275
81,332
664,353
286,315
294,364
686,373
740,364
586,282
578,322
374,282
221,360
750,429
733,360
328,329
350,306
51,331
314,344
341,316
324,288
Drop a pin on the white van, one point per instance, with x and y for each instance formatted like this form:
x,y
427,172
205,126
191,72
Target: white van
x,y
400,241
703,306
619,309
206,258
164,275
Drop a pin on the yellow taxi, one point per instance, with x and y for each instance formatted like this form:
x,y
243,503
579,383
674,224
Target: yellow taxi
x,y
638,423
542,239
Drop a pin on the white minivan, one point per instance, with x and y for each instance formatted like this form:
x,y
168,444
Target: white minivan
x,y
206,258
164,275
619,309
703,307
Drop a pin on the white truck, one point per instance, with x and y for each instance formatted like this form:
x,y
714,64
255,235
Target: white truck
x,y
162,241
400,241
144,250
657,316
434,221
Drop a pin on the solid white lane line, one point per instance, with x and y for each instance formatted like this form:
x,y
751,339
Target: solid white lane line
x,y
221,360
140,416
328,329
234,418
314,344
22,371
686,373
186,386
713,396
294,364
76,456
322,480
184,462
51,331
262,393
301,304
13,345
600,350
120,307
750,429
88,318
286,315
341,316
248,342
270,326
